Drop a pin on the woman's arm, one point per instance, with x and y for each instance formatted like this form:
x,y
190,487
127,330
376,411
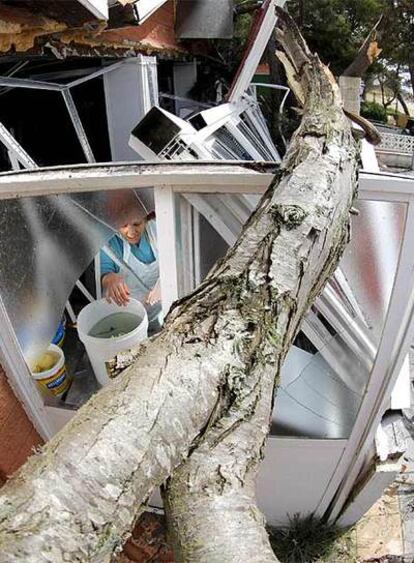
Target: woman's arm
x,y
115,289
154,296
107,264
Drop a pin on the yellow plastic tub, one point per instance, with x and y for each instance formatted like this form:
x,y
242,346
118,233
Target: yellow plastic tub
x,y
49,371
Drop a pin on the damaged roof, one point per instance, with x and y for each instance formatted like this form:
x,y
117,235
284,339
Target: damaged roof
x,y
67,28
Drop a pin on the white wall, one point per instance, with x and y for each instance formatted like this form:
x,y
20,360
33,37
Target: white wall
x,y
294,476
124,107
127,97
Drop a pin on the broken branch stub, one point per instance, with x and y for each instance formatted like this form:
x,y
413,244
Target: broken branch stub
x,y
369,51
199,395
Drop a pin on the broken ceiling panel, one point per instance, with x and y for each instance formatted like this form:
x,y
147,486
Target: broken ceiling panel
x,y
204,19
99,8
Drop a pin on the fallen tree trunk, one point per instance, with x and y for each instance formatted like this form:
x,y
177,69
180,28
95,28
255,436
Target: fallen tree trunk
x,y
202,389
210,499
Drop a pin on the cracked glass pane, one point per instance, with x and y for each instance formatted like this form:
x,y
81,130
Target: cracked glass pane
x,y
47,243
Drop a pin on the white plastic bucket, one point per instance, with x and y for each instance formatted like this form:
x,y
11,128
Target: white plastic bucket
x,y
101,350
55,380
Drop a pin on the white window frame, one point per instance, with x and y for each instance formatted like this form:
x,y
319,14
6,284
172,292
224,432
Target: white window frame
x,y
145,8
232,177
99,8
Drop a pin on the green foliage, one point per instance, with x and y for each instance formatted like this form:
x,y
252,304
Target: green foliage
x,y
397,42
309,540
336,29
374,111
230,51
224,57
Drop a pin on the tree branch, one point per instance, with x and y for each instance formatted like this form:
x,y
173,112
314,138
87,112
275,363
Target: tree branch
x,y
247,7
369,51
403,103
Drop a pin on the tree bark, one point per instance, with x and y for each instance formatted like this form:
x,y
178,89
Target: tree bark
x,y
210,499
196,402
403,103
411,70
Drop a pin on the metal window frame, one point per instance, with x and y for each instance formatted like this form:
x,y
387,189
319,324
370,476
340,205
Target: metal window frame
x,y
397,335
15,150
188,241
19,378
65,89
285,89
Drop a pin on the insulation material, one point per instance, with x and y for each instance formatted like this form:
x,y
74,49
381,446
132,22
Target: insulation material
x,y
67,28
19,28
47,243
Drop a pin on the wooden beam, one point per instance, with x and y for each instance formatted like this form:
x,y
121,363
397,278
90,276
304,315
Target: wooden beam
x,y
220,177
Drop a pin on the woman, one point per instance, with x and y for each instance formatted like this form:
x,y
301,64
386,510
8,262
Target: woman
x,y
135,246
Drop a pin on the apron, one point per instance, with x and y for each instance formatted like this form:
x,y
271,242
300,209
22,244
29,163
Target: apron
x,y
146,275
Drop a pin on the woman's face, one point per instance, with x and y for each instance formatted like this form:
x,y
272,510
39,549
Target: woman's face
x,y
132,231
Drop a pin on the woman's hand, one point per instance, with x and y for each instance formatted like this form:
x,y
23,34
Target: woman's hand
x,y
115,289
154,296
